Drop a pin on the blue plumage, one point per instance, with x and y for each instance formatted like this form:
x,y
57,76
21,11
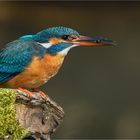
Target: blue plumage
x,y
56,32
5,76
58,48
16,56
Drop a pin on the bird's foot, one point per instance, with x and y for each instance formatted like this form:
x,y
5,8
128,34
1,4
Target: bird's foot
x,y
41,93
27,92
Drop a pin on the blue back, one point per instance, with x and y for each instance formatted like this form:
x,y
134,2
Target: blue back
x,y
16,56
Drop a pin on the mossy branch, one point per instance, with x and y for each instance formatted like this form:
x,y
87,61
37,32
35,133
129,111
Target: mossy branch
x,y
23,117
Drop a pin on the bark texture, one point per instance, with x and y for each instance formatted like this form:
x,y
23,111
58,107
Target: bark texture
x,y
40,115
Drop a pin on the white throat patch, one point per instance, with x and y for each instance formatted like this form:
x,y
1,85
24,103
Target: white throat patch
x,y
65,51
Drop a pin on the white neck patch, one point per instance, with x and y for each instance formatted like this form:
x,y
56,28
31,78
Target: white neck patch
x,y
46,45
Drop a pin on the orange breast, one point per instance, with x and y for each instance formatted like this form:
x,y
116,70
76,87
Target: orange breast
x,y
38,72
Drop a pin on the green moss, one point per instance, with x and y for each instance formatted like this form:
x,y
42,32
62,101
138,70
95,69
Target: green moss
x,y
8,123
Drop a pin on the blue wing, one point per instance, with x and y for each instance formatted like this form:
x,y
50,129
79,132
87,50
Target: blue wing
x,y
15,57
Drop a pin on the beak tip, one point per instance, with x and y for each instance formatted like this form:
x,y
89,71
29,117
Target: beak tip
x,y
114,44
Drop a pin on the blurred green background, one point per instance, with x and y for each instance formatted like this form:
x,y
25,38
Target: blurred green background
x,y
99,87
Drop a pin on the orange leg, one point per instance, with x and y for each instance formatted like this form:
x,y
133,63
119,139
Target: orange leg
x,y
29,93
42,94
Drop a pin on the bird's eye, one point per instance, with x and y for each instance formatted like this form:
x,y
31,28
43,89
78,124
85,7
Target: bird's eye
x,y
65,37
98,41
69,37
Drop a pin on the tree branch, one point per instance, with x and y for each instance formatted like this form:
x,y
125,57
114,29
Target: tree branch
x,y
38,116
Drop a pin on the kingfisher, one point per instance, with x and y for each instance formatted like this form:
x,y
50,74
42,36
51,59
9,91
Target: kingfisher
x,y
31,60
